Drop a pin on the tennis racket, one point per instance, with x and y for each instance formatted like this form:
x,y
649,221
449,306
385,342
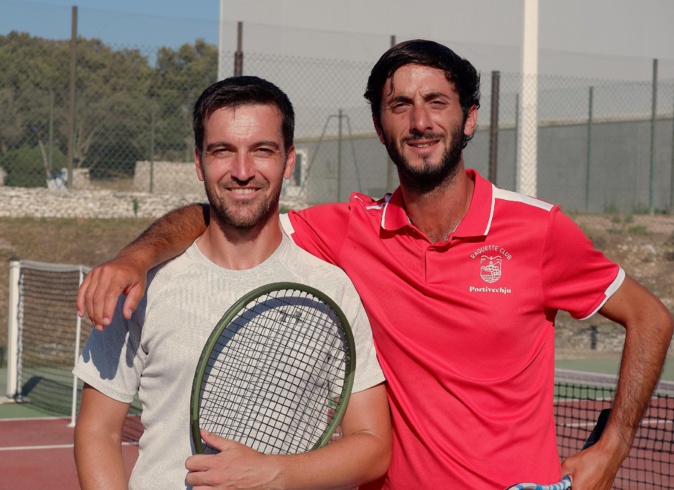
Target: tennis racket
x,y
276,372
565,483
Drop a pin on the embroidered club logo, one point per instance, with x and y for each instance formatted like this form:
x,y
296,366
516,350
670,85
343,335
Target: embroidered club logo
x,y
490,268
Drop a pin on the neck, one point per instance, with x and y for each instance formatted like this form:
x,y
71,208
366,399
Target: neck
x,y
237,249
437,213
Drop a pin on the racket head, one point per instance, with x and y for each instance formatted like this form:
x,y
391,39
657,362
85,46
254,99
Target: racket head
x,y
256,400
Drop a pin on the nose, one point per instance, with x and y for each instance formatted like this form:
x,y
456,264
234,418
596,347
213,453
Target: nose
x,y
420,120
243,169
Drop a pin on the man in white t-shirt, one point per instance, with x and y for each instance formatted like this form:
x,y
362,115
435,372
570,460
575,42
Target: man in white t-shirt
x,y
243,128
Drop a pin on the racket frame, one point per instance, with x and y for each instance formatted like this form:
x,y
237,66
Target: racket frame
x,y
225,322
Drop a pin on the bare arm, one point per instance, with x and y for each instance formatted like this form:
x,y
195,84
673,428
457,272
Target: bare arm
x,y
126,274
648,326
362,455
98,441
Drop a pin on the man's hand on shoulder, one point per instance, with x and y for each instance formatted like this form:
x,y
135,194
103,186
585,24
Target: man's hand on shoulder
x,y
99,292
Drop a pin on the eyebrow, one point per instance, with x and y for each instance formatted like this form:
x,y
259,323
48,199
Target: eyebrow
x,y
428,96
220,144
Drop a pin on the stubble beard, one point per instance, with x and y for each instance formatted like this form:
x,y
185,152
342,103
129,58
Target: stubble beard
x,y
429,176
242,216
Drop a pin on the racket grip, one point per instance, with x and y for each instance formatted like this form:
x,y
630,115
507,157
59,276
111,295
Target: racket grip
x,y
564,484
598,429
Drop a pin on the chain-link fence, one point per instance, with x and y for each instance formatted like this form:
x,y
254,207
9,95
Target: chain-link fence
x,y
120,119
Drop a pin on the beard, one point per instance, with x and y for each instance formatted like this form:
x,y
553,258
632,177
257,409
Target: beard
x,y
242,216
429,176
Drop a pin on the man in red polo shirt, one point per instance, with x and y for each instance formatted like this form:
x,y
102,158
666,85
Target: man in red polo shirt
x,y
461,281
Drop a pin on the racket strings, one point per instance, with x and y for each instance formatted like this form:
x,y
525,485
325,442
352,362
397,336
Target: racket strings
x,y
275,376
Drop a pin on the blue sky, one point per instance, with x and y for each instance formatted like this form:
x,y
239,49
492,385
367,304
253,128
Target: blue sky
x,y
602,38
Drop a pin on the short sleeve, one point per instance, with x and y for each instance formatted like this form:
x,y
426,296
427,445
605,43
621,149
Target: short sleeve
x,y
320,230
112,361
576,276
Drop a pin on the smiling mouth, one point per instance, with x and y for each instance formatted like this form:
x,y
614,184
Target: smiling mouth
x,y
422,145
242,192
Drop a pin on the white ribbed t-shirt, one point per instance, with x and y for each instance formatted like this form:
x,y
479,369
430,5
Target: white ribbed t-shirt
x,y
155,353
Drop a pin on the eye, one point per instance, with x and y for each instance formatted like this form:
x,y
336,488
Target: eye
x,y
219,152
265,151
398,106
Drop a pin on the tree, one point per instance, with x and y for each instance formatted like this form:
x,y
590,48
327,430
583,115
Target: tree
x,y
124,104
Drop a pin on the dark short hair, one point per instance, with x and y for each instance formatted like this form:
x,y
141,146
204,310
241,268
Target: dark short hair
x,y
459,71
243,90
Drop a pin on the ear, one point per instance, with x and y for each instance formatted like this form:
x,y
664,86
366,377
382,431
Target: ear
x,y
378,129
198,164
290,163
471,121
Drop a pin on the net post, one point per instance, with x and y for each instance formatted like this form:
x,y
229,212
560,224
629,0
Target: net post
x,y
78,331
13,328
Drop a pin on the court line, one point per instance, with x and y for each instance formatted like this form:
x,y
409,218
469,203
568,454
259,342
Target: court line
x,y
643,423
55,446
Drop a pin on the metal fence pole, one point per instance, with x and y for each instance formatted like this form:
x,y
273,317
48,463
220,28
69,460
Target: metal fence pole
x,y
517,147
654,110
588,160
71,111
389,162
493,128
152,136
339,156
671,176
238,56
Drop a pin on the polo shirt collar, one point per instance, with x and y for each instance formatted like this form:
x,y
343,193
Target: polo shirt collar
x,y
476,222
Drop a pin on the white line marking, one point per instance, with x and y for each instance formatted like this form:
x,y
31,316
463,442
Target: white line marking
x,y
55,446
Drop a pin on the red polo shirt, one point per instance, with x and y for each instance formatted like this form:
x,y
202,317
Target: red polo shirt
x,y
464,329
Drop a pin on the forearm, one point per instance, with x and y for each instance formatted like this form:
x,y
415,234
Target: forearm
x,y
98,441
168,236
640,369
100,464
648,335
346,463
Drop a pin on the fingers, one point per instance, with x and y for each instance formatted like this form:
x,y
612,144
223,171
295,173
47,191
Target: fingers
x,y
99,293
81,300
216,441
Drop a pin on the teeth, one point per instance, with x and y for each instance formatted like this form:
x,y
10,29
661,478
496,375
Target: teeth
x,y
243,191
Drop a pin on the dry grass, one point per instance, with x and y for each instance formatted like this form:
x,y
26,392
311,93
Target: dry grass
x,y
67,241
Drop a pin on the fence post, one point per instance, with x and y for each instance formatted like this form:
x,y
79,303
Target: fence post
x,y
238,56
516,183
671,176
528,135
152,136
71,110
389,162
493,128
654,110
588,160
339,156
221,43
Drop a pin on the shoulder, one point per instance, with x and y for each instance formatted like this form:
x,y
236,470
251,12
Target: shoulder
x,y
515,200
357,204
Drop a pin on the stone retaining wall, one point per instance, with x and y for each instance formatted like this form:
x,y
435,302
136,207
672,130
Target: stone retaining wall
x,y
46,203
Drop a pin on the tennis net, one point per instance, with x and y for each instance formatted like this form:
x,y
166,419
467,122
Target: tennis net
x,y
45,338
579,397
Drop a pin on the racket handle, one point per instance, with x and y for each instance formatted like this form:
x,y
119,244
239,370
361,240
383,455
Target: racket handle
x,y
565,484
598,429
